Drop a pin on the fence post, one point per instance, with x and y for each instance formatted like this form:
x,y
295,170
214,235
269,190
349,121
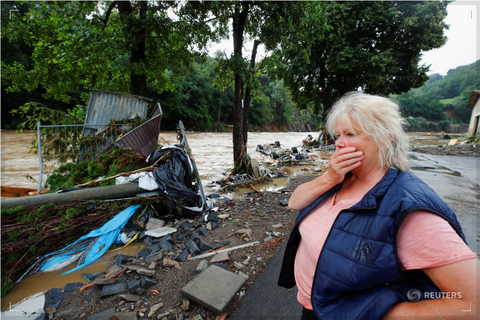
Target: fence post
x,y
39,141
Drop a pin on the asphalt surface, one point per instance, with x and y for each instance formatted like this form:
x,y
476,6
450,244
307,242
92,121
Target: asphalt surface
x,y
455,179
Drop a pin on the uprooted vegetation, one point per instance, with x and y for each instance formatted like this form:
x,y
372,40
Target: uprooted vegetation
x,y
32,231
108,164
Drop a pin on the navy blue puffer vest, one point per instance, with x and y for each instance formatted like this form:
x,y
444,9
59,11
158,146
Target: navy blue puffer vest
x,y
358,273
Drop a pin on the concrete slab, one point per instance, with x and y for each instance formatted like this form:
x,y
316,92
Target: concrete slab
x,y
112,289
104,315
214,288
125,316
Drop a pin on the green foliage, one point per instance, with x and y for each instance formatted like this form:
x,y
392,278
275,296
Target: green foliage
x,y
475,139
119,46
421,124
13,211
375,46
33,112
107,164
443,98
7,286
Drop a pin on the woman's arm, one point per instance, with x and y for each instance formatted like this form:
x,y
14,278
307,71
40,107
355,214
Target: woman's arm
x,y
341,162
458,283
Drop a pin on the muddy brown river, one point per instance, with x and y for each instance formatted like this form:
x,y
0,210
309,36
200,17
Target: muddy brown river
x,y
213,153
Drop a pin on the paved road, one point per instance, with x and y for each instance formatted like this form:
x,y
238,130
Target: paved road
x,y
455,179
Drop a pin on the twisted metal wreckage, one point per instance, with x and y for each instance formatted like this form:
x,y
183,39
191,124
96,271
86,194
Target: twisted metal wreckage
x,y
171,179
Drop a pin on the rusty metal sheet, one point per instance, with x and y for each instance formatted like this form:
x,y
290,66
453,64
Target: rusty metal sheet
x,y
106,105
144,138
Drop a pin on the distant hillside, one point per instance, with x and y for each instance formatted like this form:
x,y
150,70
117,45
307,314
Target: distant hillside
x,y
443,98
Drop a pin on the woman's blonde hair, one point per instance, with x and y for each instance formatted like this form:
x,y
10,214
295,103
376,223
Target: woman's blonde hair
x,y
378,117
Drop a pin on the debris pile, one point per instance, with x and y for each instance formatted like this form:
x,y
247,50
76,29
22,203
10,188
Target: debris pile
x,y
135,282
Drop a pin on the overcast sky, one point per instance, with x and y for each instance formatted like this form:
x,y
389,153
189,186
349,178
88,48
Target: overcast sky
x,y
461,48
462,43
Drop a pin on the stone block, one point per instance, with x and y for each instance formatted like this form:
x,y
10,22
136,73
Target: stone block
x,y
192,247
146,282
133,285
143,253
203,231
202,244
154,257
91,276
218,245
160,232
129,297
184,235
186,225
220,257
148,240
69,287
183,256
106,314
125,316
113,270
142,270
214,288
212,218
155,248
202,265
113,289
255,168
122,258
166,244
53,297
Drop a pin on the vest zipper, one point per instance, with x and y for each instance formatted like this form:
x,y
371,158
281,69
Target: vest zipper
x,y
321,252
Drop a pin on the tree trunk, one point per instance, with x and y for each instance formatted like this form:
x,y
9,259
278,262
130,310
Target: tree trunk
x,y
238,26
248,95
135,38
219,110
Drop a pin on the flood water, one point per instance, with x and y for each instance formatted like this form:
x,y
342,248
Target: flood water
x,y
212,151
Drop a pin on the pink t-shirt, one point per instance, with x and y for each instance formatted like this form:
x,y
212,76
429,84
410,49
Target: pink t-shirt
x,y
425,240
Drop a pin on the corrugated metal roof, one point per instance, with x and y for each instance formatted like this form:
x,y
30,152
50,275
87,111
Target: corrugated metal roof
x,y
473,99
144,138
106,105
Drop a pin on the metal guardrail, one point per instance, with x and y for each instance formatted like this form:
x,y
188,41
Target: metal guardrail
x,y
183,140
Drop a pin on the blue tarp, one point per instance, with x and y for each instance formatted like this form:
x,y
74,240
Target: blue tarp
x,y
93,245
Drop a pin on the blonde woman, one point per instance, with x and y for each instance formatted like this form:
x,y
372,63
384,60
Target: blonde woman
x,y
372,240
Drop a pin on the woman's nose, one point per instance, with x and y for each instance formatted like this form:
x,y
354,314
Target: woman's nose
x,y
339,142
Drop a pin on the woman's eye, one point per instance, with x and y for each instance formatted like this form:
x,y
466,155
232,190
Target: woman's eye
x,y
351,135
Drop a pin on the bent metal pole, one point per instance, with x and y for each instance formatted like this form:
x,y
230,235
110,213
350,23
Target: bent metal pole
x,y
96,193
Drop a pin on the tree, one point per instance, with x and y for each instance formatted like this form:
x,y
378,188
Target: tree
x,y
260,22
125,46
374,46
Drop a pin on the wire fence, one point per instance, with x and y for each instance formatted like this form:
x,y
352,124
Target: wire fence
x,y
60,144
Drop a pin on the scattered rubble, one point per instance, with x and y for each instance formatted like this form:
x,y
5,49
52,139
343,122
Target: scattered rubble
x,y
159,292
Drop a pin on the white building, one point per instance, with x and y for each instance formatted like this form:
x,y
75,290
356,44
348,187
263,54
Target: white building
x,y
474,103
